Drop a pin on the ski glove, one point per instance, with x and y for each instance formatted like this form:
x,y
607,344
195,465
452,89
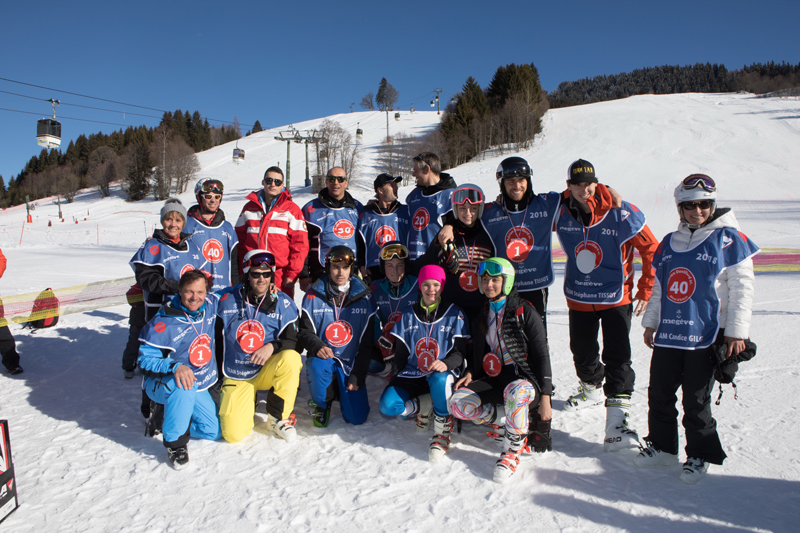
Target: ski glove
x,y
448,257
539,437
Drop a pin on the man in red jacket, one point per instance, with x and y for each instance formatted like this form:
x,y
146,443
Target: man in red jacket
x,y
270,220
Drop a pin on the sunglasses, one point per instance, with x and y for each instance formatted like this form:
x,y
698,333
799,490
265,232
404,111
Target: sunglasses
x,y
702,204
256,275
212,186
394,250
699,180
333,179
210,196
270,181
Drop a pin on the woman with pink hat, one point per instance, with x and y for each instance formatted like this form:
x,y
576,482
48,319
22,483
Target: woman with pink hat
x,y
432,336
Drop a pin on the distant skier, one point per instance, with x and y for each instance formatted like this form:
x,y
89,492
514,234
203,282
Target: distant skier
x,y
702,303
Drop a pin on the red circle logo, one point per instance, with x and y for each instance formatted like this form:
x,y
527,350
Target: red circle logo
x,y
250,336
420,219
186,268
592,247
468,281
385,234
519,241
213,251
154,249
200,351
492,364
344,229
680,285
160,327
427,350
338,333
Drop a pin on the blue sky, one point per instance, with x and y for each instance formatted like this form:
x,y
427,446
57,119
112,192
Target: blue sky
x,y
283,62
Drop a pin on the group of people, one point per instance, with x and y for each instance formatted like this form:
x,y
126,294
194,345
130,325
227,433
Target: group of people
x,y
445,297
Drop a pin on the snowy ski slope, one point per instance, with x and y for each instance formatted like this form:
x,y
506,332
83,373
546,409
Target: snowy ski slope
x,y
83,464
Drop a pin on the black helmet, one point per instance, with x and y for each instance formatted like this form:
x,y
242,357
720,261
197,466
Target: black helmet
x,y
339,254
392,249
514,167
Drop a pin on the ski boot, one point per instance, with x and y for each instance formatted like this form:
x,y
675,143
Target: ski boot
x,y
588,395
506,466
440,444
618,435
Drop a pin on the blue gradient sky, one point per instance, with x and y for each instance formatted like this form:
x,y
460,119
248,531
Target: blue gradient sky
x,y
283,62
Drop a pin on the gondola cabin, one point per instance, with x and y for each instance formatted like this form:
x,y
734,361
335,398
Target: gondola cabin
x,y
48,133
238,155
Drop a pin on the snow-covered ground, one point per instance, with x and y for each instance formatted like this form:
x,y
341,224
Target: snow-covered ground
x,y
83,464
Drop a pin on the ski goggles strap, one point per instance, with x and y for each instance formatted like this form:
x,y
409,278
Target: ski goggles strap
x,y
394,250
212,186
699,180
462,196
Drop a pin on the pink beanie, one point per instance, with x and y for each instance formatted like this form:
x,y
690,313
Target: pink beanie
x,y
434,272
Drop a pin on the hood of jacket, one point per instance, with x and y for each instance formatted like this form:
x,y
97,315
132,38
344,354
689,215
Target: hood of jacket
x,y
446,181
196,213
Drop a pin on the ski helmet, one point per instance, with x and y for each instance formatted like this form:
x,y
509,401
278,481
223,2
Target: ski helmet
x,y
497,266
471,193
390,250
339,254
695,188
259,259
514,167
206,185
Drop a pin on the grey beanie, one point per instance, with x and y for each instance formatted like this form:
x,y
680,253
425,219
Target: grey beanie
x,y
173,204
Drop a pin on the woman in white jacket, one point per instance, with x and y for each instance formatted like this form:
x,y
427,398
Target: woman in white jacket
x,y
702,299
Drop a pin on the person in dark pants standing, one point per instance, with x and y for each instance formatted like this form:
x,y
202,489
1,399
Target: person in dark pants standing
x,y
8,346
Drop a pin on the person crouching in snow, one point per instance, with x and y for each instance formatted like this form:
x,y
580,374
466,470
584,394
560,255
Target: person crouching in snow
x,y
259,327
509,369
337,330
431,343
704,276
177,359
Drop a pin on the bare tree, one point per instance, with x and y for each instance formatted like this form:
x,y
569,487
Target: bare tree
x,y
396,156
103,165
338,148
162,180
367,102
182,164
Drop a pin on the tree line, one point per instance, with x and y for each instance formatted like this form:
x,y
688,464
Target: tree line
x,y
758,78
160,160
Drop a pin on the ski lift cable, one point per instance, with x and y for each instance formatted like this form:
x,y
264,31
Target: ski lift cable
x,y
110,101
83,106
68,118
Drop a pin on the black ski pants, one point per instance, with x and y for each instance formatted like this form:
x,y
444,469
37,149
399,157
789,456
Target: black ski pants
x,y
691,370
136,321
8,347
615,367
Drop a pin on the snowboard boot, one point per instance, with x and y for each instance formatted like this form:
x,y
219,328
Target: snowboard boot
x,y
506,466
693,469
588,395
440,444
618,435
425,415
178,457
155,421
283,429
650,456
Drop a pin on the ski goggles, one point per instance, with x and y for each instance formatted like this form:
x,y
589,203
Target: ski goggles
x,y
490,267
260,260
345,257
515,170
394,250
699,180
212,186
462,196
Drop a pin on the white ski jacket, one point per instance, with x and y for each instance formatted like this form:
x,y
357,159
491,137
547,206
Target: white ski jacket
x,y
735,285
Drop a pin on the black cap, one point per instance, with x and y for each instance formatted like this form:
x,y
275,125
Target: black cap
x,y
383,179
581,171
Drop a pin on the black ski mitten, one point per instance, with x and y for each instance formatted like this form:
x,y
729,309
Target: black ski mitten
x,y
539,437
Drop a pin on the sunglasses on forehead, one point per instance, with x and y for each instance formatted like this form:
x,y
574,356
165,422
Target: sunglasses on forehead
x,y
340,179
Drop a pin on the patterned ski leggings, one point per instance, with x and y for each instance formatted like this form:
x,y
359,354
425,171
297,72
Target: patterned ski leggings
x,y
467,405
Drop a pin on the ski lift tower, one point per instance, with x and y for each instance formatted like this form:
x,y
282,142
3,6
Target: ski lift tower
x,y
299,137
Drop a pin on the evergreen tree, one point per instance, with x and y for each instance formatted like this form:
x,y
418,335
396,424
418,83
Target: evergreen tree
x,y
256,127
387,96
139,168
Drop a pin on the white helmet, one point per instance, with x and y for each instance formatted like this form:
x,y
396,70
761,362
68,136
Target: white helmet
x,y
695,188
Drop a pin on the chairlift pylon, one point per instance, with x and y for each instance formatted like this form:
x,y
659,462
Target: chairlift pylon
x,y
48,130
